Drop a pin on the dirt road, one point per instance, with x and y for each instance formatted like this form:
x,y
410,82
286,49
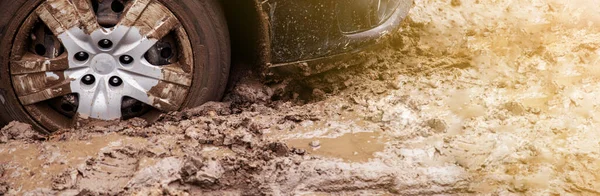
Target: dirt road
x,y
471,96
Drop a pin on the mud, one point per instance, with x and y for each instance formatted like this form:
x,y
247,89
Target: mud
x,y
470,97
20,132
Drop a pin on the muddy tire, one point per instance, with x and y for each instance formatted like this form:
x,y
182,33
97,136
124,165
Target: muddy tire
x,y
203,22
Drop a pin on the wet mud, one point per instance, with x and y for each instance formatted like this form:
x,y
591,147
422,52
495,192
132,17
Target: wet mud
x,y
470,97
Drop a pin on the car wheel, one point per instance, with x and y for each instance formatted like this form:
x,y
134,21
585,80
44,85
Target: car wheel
x,y
66,60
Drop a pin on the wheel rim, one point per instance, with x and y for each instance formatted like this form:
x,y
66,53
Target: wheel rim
x,y
107,64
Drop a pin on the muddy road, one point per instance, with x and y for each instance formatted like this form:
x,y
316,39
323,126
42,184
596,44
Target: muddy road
x,y
470,97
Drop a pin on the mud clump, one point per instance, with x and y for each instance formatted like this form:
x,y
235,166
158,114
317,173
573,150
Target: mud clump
x,y
438,125
19,131
249,91
455,3
515,108
204,173
207,109
318,94
4,187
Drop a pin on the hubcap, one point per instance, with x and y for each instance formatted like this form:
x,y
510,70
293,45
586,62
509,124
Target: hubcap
x,y
104,64
110,64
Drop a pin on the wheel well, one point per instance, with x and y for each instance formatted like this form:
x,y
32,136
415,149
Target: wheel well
x,y
248,28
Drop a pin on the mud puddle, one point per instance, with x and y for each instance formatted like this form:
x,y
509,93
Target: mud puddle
x,y
351,147
38,164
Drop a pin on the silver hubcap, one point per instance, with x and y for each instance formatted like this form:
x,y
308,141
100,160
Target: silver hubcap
x,y
104,66
103,99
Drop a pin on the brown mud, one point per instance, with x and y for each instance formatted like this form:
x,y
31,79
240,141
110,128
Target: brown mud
x,y
470,97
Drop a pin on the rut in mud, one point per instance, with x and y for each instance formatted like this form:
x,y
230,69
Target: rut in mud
x,y
471,96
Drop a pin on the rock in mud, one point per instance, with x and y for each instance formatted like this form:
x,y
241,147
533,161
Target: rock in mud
x,y
299,151
315,144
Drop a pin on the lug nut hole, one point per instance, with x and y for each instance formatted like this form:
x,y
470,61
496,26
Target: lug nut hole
x,y
106,44
88,79
82,56
126,59
115,81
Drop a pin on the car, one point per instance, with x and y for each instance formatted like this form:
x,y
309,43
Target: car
x,y
63,61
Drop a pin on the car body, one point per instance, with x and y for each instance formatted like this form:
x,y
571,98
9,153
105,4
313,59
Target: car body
x,y
304,37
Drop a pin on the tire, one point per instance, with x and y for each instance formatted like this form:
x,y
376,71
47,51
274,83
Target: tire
x,y
204,22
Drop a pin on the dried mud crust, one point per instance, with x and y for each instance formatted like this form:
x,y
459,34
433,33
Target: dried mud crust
x,y
477,97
